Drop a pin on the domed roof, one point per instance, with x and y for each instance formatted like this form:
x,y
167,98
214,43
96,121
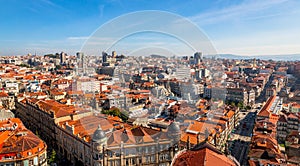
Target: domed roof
x,y
173,131
173,128
98,134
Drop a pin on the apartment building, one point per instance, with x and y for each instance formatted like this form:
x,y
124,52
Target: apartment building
x,y
264,148
88,139
213,126
19,146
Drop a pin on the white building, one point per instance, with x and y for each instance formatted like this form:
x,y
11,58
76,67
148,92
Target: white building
x,y
183,73
88,85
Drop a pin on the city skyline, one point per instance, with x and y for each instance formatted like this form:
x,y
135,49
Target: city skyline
x,y
234,27
140,83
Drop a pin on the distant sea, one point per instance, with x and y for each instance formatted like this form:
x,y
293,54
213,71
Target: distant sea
x,y
287,57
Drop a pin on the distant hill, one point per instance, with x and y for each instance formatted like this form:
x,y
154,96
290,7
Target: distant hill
x,y
156,56
287,57
232,56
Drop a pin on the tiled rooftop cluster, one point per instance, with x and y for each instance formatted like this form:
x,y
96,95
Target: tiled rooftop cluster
x,y
203,154
264,148
213,125
19,145
118,110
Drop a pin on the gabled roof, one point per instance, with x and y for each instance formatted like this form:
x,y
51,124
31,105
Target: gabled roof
x,y
292,116
264,113
16,139
203,154
282,118
119,136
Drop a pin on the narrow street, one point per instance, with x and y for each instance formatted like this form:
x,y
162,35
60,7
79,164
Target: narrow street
x,y
261,97
241,137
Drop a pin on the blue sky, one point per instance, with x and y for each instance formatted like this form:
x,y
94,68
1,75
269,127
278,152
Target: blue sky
x,y
244,27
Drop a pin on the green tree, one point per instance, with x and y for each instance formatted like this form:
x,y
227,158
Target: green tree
x,y
114,111
124,116
232,103
240,105
52,157
58,67
227,102
37,133
23,65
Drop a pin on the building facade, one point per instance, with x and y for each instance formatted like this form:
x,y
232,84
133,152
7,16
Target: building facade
x,y
87,139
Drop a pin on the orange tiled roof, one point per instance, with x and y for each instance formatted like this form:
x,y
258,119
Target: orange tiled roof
x,y
292,116
52,106
202,155
117,137
265,111
86,126
3,94
16,139
296,105
230,114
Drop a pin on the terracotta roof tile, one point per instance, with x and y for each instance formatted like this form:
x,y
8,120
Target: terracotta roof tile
x,y
18,140
206,155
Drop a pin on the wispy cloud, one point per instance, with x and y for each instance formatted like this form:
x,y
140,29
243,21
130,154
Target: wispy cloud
x,y
234,12
101,10
33,9
253,27
50,3
263,50
42,5
78,38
